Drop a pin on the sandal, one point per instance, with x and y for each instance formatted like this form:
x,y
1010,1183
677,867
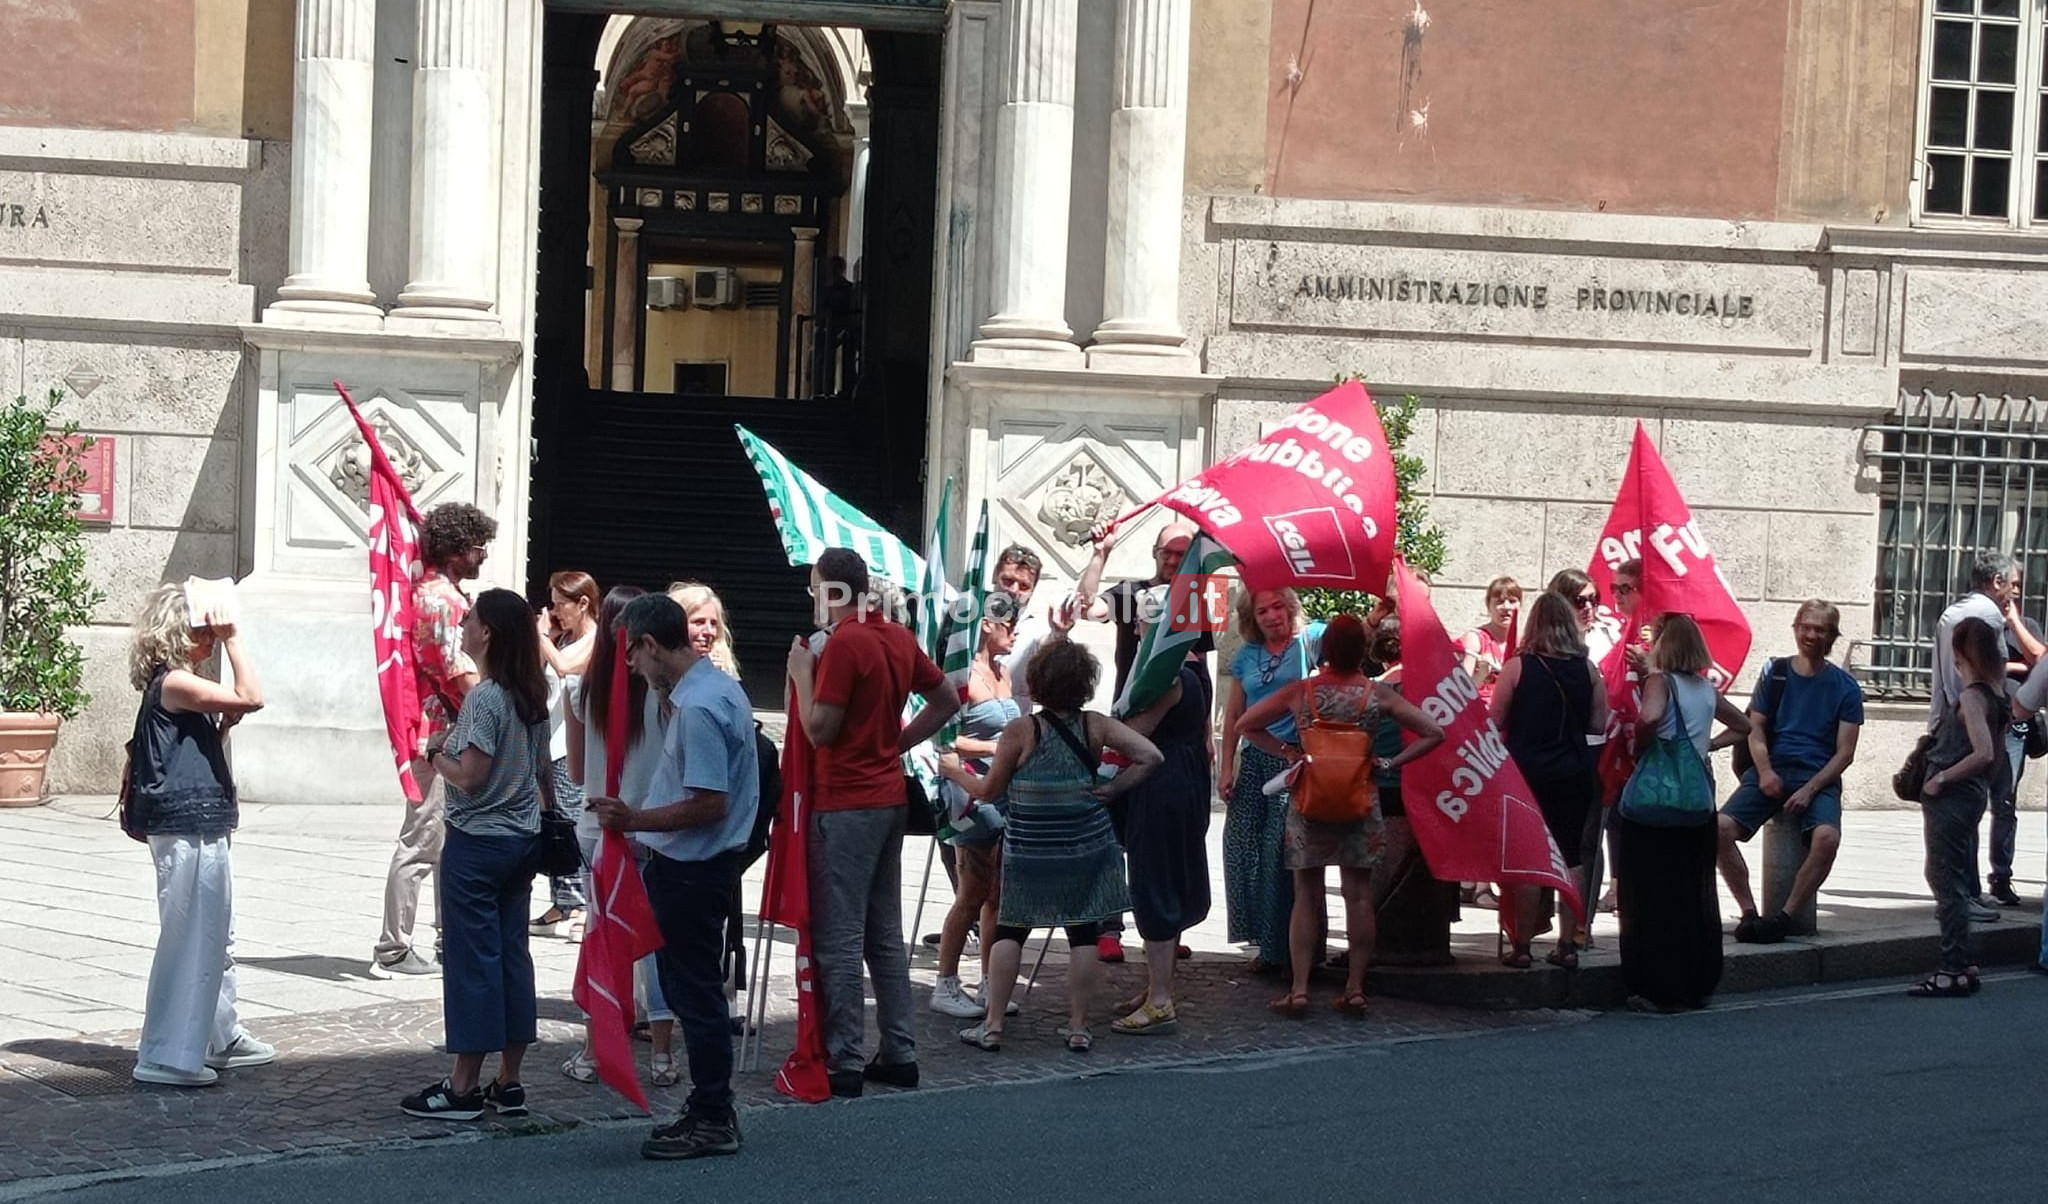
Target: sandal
x,y
1567,959
1352,1004
1293,1005
1148,1021
662,1071
1517,959
982,1037
1079,1040
1485,899
1941,984
1974,977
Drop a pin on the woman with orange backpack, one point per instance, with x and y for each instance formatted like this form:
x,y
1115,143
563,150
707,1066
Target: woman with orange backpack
x,y
1334,818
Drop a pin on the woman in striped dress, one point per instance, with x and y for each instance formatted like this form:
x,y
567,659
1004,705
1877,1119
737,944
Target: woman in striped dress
x,y
1061,863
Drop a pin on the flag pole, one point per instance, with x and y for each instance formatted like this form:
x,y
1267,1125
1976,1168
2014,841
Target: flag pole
x,y
757,1000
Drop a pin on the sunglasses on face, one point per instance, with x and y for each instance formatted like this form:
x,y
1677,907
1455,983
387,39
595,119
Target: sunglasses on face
x,y
1620,589
1586,601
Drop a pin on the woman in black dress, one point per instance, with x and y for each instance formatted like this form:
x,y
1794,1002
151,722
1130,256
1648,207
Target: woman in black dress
x,y
1552,706
1166,838
1670,911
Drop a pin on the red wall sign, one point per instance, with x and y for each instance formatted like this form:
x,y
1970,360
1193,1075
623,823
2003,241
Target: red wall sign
x,y
96,492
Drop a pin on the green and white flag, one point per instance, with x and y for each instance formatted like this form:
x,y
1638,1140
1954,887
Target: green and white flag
x,y
928,621
962,638
811,518
1168,637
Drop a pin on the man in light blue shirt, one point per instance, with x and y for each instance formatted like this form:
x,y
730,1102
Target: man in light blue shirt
x,y
699,813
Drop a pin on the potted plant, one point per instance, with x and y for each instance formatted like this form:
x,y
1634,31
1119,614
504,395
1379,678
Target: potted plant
x,y
43,592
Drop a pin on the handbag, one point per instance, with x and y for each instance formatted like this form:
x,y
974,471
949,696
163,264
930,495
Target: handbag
x,y
560,854
132,822
1671,786
1335,785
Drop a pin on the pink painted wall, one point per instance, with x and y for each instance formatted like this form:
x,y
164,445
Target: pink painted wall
x,y
100,64
1631,106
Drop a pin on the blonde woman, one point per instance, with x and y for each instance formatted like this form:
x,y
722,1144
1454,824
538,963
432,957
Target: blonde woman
x,y
183,802
1280,648
710,634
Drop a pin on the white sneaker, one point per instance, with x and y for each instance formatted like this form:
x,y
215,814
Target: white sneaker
x,y
581,1067
246,1051
950,999
168,1076
411,965
973,946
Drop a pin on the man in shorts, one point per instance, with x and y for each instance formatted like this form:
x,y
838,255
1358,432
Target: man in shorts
x,y
1805,717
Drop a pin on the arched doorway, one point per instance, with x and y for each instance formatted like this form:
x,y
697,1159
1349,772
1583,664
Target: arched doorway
x,y
719,247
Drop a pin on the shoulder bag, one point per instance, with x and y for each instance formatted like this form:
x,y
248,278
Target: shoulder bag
x,y
127,808
561,854
1335,785
1671,786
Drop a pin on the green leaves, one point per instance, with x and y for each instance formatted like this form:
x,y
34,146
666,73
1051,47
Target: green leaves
x,y
43,584
1418,540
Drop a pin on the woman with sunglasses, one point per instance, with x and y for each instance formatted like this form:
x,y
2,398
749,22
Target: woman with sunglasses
x,y
1280,648
1551,704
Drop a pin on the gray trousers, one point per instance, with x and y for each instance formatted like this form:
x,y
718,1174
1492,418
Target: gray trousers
x,y
1951,825
418,854
856,870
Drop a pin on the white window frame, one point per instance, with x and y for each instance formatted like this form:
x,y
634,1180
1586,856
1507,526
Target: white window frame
x,y
2031,78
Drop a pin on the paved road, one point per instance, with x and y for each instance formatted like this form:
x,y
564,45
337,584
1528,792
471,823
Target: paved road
x,y
1850,1095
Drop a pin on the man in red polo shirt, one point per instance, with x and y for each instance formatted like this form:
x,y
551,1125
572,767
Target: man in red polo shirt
x,y
851,700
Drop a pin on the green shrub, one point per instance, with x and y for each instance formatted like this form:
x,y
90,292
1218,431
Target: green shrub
x,y
43,587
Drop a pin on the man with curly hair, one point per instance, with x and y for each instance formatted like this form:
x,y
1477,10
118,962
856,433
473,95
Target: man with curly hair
x,y
455,539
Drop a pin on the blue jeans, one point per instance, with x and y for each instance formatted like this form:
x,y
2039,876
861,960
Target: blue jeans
x,y
691,900
487,999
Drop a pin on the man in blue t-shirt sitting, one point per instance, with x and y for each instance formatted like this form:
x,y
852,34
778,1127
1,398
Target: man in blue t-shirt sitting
x,y
1804,719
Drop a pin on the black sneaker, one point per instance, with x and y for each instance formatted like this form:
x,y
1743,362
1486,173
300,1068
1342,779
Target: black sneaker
x,y
440,1102
2002,891
1771,930
509,1099
845,1083
1745,929
902,1074
692,1136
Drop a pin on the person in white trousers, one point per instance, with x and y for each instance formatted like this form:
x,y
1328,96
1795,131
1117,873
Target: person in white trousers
x,y
182,801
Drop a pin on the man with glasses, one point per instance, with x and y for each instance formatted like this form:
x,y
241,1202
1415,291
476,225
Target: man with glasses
x,y
1994,598
455,540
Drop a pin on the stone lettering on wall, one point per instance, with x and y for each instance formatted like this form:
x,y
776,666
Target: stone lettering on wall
x,y
15,215
73,220
1322,288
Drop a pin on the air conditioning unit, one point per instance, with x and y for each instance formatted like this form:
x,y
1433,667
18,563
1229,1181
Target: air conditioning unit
x,y
667,292
715,288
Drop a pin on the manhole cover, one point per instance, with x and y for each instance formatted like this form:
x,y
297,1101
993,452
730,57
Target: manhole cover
x,y
81,1081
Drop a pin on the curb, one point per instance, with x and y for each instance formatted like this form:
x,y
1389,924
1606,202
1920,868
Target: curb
x,y
1906,951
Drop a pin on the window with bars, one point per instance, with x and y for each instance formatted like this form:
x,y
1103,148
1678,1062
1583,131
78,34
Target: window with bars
x,y
1958,475
1984,112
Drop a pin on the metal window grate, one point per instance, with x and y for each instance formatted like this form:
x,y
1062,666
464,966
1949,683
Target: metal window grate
x,y
1957,475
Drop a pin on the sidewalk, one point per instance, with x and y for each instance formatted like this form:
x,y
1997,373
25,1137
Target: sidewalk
x,y
74,961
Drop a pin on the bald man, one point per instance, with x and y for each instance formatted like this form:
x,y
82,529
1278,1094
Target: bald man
x,y
1121,603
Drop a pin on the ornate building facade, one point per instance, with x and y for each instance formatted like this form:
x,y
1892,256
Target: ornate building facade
x,y
1060,252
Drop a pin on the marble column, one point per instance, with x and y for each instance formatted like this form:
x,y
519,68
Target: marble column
x,y
454,162
803,309
1147,158
627,304
1034,170
857,202
332,84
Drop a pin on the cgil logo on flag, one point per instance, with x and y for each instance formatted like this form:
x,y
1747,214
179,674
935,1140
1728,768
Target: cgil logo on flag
x,y
1302,532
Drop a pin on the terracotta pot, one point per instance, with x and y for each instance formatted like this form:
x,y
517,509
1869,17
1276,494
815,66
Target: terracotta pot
x,y
25,743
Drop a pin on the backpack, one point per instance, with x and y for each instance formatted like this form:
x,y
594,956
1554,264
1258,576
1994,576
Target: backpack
x,y
770,775
1335,785
1776,673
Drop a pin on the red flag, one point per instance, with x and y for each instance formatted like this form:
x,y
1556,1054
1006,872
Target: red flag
x,y
1311,504
394,571
620,928
1651,522
786,900
1473,815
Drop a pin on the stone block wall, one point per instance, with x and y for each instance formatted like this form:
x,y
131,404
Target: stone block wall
x,y
126,289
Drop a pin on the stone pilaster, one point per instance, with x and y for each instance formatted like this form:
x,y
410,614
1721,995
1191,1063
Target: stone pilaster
x,y
628,290
803,308
454,163
333,80
1147,155
1034,175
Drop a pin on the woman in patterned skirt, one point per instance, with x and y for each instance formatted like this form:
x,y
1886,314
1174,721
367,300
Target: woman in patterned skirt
x,y
1339,694
1061,862
1280,646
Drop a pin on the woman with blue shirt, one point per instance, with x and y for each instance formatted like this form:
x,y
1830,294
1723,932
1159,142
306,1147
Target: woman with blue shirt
x,y
1280,648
